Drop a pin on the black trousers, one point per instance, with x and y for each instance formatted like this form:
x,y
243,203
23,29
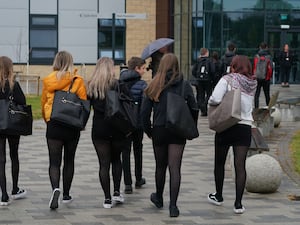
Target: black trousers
x,y
136,140
265,85
204,91
285,73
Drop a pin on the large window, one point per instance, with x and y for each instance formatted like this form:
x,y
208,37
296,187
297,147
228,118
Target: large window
x,y
111,39
43,38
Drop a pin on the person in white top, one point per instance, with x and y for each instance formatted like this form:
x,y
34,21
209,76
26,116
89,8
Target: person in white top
x,y
237,136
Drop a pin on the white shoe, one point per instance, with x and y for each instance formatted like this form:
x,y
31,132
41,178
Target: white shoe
x,y
107,204
239,211
20,194
53,204
118,198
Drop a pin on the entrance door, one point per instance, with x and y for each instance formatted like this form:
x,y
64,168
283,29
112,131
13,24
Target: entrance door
x,y
276,39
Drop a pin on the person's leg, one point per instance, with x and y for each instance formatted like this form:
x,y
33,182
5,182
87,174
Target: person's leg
x,y
55,148
257,94
240,154
287,76
126,162
201,100
117,147
2,169
138,154
161,159
103,150
219,170
208,92
175,153
68,169
282,74
266,89
198,90
13,142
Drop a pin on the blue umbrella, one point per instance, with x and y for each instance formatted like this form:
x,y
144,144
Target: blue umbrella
x,y
155,46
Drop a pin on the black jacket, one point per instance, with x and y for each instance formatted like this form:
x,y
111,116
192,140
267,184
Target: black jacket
x,y
17,93
159,108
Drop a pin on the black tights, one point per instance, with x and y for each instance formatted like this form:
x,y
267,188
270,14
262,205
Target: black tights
x,y
240,154
168,155
109,152
55,148
13,142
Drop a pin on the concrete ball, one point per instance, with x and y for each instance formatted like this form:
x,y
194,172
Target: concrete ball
x,y
264,174
276,116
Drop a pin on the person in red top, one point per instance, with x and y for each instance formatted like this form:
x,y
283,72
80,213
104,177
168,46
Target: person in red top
x,y
263,75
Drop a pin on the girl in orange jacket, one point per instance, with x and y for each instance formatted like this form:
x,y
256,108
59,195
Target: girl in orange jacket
x,y
59,136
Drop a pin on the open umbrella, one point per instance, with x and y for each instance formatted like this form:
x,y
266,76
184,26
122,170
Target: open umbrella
x,y
155,46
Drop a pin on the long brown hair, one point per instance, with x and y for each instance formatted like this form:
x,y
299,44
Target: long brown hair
x,y
168,62
6,72
242,65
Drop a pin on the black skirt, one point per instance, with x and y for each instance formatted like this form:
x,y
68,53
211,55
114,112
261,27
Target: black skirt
x,y
237,135
163,136
60,132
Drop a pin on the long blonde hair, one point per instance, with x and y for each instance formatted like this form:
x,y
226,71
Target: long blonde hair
x,y
168,63
6,72
102,78
63,63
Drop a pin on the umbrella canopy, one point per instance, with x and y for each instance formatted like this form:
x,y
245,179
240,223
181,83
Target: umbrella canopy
x,y
155,46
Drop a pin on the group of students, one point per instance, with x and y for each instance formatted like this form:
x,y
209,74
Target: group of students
x,y
110,143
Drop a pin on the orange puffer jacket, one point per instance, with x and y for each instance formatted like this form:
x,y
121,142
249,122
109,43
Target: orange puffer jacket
x,y
51,84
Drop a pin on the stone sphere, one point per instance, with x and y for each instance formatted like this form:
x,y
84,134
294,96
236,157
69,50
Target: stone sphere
x,y
264,174
276,116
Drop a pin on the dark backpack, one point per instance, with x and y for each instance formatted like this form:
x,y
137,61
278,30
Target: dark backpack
x,y
226,61
203,70
262,67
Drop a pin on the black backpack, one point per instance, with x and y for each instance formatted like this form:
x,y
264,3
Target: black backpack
x,y
203,70
226,61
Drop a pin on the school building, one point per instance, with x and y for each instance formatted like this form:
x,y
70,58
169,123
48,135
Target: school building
x,y
32,31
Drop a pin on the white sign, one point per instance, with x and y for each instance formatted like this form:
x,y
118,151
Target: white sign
x,y
284,26
124,16
130,16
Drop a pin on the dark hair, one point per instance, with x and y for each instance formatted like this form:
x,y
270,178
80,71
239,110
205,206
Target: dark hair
x,y
231,46
215,55
242,65
263,45
135,62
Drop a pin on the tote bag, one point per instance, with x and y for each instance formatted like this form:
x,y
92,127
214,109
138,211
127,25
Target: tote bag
x,y
68,109
227,113
15,119
179,118
121,111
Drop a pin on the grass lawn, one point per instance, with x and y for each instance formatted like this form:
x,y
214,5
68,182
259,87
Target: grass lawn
x,y
35,102
295,148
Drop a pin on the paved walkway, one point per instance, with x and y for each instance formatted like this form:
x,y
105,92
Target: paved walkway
x,y
197,182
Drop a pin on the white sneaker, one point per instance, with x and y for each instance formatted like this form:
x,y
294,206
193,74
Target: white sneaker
x,y
239,211
53,204
20,194
118,198
107,204
4,203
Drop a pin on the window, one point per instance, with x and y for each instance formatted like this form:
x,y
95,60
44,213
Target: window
x,y
111,39
43,39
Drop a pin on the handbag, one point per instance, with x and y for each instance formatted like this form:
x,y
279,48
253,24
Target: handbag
x,y
15,119
69,110
227,113
122,111
179,119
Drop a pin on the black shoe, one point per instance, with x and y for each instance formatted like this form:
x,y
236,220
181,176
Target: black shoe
x,y
128,189
174,211
158,202
212,198
67,199
53,204
139,183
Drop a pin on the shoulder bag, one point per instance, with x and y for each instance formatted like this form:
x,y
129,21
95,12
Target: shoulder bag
x,y
69,110
122,111
227,113
179,118
15,119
